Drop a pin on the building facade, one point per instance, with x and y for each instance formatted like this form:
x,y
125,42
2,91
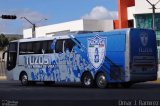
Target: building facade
x,y
138,14
72,26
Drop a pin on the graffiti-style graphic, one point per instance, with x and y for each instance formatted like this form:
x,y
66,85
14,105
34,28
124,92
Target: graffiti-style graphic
x,y
65,67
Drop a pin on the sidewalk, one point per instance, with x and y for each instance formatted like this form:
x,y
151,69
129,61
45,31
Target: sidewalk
x,y
3,77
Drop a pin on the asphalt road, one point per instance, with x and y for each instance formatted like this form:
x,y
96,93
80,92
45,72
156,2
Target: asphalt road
x,y
12,91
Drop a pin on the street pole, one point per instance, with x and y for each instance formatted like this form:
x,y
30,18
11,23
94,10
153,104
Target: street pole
x,y
153,17
33,27
153,13
34,31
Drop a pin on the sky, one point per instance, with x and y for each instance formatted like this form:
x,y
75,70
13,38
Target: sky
x,y
55,11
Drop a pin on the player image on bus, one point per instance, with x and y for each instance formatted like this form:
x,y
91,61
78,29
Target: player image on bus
x,y
123,57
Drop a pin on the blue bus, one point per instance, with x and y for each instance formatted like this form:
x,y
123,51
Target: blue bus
x,y
125,57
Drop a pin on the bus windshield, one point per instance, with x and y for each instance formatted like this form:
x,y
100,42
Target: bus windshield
x,y
12,55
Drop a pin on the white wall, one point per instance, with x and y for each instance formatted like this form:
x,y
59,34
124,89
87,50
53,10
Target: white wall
x,y
131,11
67,26
78,25
27,33
51,29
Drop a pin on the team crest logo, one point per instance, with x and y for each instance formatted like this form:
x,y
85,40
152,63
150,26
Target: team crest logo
x,y
96,50
144,38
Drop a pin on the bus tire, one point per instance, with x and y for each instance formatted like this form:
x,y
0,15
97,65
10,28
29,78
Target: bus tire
x,y
101,80
87,80
24,79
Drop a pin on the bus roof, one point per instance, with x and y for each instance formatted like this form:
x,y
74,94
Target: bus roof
x,y
41,38
67,36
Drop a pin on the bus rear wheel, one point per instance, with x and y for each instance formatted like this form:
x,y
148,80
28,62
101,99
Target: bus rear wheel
x,y
101,80
87,80
24,79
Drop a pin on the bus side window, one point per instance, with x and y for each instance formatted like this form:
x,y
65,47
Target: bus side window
x,y
29,48
44,46
23,48
69,44
49,46
37,48
59,46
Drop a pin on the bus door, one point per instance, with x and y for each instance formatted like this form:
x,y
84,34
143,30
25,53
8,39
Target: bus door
x,y
12,56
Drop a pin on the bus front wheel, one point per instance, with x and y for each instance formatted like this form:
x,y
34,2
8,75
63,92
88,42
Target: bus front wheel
x,y
87,80
24,79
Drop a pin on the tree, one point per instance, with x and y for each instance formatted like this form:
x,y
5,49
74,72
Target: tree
x,y
12,38
3,41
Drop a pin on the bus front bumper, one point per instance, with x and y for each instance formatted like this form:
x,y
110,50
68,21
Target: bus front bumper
x,y
9,75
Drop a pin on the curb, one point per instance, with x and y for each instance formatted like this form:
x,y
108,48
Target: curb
x,y
156,81
3,77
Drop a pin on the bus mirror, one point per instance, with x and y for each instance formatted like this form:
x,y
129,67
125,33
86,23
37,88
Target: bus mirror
x,y
3,55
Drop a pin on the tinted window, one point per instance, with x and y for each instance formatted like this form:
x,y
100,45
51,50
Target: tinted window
x,y
59,46
12,56
37,47
23,48
13,47
44,46
69,44
49,47
29,48
26,48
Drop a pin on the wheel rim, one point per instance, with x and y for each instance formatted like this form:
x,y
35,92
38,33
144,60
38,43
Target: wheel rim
x,y
87,80
101,81
24,80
